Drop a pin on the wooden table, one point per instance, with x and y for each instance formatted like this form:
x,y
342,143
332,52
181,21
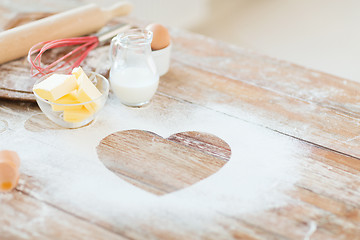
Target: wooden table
x,y
293,173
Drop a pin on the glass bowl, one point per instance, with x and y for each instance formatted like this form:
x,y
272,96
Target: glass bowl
x,y
75,115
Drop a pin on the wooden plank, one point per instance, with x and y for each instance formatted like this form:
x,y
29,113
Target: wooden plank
x,y
206,143
223,227
15,80
294,222
263,90
249,87
324,196
18,95
244,65
320,125
245,226
225,90
333,208
246,69
23,217
161,165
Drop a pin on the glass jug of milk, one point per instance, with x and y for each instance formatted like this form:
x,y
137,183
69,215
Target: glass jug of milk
x,y
133,74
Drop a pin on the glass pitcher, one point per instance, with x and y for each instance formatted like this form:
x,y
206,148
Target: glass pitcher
x,y
133,74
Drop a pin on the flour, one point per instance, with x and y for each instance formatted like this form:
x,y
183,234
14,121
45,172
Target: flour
x,y
312,229
97,60
3,125
77,181
6,197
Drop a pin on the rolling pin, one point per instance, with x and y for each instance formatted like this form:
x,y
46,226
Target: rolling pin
x,y
16,42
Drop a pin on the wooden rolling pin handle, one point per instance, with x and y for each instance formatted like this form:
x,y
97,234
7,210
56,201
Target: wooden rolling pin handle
x,y
117,10
16,42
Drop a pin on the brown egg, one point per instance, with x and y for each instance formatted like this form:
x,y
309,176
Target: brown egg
x,y
9,170
161,36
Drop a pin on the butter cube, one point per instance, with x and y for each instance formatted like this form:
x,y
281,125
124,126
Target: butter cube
x,y
55,86
77,72
70,98
87,92
91,107
75,116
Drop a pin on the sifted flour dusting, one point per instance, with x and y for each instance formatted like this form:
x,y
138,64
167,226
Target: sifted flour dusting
x,y
262,167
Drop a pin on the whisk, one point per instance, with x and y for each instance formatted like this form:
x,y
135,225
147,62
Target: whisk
x,y
71,59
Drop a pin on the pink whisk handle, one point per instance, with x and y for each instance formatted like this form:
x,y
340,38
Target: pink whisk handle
x,y
65,63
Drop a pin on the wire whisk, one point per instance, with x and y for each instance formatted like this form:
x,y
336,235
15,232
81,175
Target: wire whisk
x,y
71,59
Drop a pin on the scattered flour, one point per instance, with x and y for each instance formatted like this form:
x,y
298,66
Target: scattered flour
x,y
263,166
6,196
312,229
3,125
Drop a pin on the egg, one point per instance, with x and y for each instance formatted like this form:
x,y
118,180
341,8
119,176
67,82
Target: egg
x,y
161,36
9,170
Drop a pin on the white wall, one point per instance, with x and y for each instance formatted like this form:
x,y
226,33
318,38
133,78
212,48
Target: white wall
x,y
319,34
178,13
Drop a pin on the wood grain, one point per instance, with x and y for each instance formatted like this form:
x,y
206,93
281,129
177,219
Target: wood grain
x,y
285,97
314,109
15,80
325,194
271,109
80,21
25,17
206,143
28,218
161,165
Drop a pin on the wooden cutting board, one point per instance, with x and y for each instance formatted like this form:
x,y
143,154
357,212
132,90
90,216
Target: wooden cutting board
x,y
15,80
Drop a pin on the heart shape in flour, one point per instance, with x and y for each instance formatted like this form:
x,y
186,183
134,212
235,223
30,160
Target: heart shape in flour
x,y
160,165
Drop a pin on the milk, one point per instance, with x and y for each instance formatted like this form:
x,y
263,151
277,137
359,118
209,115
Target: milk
x,y
134,86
